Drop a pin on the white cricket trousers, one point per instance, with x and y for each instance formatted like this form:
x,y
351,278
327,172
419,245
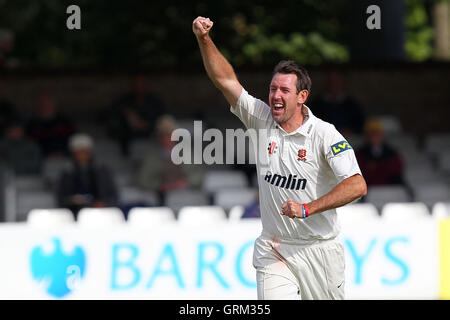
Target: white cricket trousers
x,y
299,272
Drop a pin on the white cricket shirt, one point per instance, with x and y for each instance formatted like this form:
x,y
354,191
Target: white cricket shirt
x,y
302,165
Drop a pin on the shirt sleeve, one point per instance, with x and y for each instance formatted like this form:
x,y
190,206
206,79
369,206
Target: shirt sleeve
x,y
340,155
251,111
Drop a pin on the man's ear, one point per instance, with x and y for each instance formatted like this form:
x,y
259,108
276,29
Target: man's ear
x,y
302,96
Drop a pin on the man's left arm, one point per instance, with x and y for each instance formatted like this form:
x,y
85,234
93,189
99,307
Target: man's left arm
x,y
345,192
342,160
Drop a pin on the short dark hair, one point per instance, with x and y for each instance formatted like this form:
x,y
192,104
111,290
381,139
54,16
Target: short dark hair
x,y
291,67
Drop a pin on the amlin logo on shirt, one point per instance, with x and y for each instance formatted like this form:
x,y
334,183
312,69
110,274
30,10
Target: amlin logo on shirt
x,y
58,271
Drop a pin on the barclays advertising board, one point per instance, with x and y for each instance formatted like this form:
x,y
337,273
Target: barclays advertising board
x,y
383,261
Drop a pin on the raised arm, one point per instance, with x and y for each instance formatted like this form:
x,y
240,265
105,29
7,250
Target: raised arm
x,y
218,68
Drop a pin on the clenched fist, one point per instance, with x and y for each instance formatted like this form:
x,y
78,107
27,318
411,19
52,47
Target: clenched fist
x,y
201,26
291,209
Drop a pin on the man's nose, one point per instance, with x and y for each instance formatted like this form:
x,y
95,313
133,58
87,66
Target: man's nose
x,y
276,94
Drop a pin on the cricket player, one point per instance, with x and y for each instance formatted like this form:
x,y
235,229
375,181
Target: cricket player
x,y
310,170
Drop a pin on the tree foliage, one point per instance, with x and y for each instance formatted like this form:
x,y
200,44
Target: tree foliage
x,y
148,34
419,34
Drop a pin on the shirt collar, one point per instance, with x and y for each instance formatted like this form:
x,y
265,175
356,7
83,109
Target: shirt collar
x,y
306,128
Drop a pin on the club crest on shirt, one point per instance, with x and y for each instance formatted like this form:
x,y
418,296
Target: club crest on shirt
x,y
301,155
272,148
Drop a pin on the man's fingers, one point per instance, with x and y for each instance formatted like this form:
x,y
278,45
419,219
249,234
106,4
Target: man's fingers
x,y
289,208
198,25
202,21
208,25
199,18
285,209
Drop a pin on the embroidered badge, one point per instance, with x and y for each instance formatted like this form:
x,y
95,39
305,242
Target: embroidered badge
x,y
302,155
272,148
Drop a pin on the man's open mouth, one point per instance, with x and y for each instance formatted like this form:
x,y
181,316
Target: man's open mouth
x,y
278,106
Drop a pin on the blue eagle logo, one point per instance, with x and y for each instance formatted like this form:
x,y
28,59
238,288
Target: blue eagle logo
x,y
58,270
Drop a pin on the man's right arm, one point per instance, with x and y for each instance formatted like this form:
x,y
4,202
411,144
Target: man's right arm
x,y
218,68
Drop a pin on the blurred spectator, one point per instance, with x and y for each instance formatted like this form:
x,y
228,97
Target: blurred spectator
x,y
18,151
338,108
380,163
85,183
157,171
252,210
49,127
7,111
6,48
133,115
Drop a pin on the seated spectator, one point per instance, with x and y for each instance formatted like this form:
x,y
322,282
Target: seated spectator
x,y
252,210
85,183
338,108
157,171
380,163
49,127
19,152
133,115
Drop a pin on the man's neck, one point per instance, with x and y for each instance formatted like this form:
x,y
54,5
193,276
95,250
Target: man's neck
x,y
296,121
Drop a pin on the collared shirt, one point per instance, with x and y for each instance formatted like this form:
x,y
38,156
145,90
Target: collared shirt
x,y
303,165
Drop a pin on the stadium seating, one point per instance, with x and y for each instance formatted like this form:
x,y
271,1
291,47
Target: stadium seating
x,y
123,178
430,193
50,217
414,159
444,161
436,142
245,151
201,215
150,217
357,213
140,148
52,169
441,210
404,211
100,217
34,182
232,197
416,175
131,194
26,200
236,213
380,195
220,180
402,142
187,197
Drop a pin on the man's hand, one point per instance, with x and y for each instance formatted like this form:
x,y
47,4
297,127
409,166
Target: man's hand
x,y
291,209
218,68
201,26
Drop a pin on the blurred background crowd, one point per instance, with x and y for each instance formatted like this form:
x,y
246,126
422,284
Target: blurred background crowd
x,y
86,116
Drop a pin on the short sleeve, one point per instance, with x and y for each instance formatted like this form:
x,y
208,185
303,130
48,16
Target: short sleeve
x,y
340,155
251,111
